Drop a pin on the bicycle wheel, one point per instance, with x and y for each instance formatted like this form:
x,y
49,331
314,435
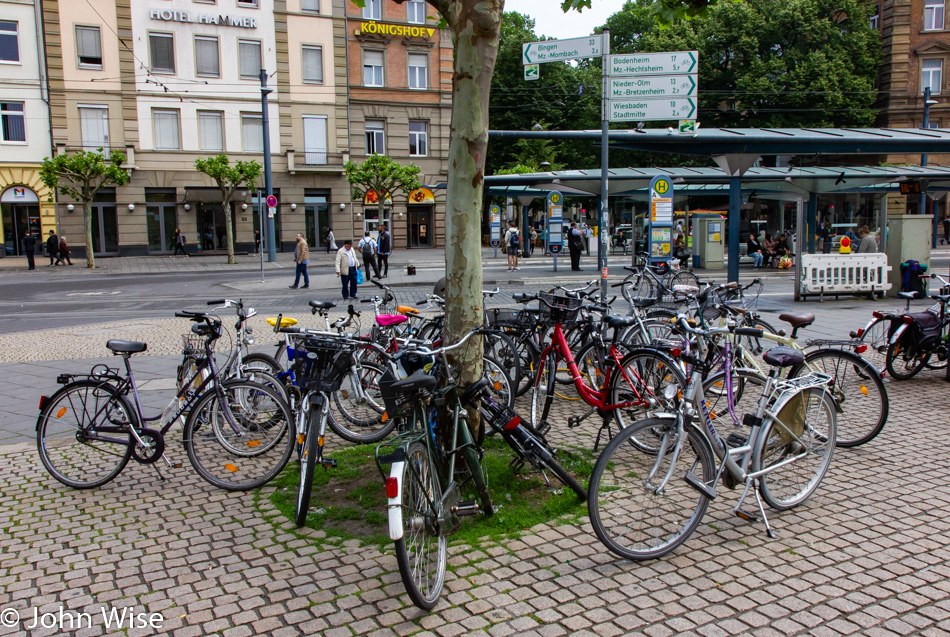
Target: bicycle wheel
x,y
500,386
638,286
503,350
421,552
82,434
654,329
263,362
541,389
528,358
875,337
806,459
746,389
682,277
904,358
859,395
631,514
308,464
360,403
642,380
752,343
248,453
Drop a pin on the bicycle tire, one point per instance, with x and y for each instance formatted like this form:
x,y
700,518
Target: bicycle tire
x,y
623,509
478,476
54,434
637,285
528,360
857,388
502,349
905,350
363,419
650,371
414,548
262,361
875,337
254,454
753,343
308,466
781,488
542,388
682,277
500,385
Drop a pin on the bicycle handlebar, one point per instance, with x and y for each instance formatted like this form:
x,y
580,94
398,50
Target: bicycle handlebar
x,y
424,351
223,302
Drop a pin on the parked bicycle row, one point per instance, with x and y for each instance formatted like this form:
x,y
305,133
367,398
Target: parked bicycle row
x,y
678,377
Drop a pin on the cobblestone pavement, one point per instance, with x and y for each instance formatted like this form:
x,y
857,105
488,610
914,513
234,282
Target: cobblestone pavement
x,y
867,554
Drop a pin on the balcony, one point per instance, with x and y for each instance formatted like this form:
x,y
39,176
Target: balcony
x,y
316,161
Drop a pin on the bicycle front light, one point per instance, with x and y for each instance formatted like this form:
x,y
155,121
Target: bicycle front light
x,y
670,392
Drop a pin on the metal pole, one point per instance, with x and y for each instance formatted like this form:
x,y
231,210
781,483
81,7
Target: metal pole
x,y
525,232
260,225
735,204
800,233
922,206
602,237
268,185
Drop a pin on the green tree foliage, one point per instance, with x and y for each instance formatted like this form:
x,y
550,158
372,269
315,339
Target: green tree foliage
x,y
381,174
770,63
229,178
80,176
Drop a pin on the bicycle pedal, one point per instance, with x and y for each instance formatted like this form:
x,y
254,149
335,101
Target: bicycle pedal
x,y
466,507
572,422
708,490
543,428
329,463
745,515
736,440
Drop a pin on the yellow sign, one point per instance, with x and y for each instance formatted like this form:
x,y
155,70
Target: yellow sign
x,y
556,197
378,28
372,199
661,187
421,196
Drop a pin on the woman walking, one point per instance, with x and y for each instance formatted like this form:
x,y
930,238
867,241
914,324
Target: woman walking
x,y
347,267
331,241
64,251
179,243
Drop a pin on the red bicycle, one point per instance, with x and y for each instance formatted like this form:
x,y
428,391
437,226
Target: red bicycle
x,y
623,384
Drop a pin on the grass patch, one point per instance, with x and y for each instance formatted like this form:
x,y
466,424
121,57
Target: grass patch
x,y
349,501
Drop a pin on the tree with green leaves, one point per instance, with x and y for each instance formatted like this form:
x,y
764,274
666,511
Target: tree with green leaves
x,y
381,175
80,176
229,178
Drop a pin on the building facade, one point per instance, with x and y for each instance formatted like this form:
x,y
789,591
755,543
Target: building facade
x,y
25,203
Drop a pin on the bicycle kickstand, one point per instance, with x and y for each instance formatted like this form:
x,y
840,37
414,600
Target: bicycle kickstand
x,y
751,517
170,466
610,434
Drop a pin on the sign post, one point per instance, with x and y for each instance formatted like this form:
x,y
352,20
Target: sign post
x,y
494,226
555,224
661,219
653,86
260,224
603,245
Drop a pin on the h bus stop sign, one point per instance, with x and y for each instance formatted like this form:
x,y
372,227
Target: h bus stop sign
x,y
494,226
555,223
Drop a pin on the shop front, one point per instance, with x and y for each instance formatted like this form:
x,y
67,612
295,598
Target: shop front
x,y
25,206
421,213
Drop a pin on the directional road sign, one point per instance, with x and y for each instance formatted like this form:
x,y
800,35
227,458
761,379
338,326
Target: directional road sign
x,y
674,62
532,72
642,110
558,50
653,86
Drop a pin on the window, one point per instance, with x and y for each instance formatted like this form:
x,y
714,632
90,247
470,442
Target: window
x,y
417,11
9,44
310,5
252,133
313,64
933,124
418,76
161,48
206,56
315,139
375,138
11,122
209,131
418,139
165,123
89,47
372,68
247,3
250,54
874,22
373,10
94,125
933,15
931,74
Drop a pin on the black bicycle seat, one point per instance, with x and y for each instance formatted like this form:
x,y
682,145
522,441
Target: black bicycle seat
x,y
521,297
126,347
414,382
612,320
472,390
642,301
783,357
322,305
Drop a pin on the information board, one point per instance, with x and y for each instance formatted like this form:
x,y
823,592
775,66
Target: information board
x,y
661,218
555,222
494,226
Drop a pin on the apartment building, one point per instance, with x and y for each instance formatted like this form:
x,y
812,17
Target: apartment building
x,y
24,126
400,100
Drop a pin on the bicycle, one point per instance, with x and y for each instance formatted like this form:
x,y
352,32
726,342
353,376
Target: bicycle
x,y
921,336
238,434
653,281
644,503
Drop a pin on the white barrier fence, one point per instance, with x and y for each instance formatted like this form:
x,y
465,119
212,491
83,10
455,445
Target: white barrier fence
x,y
844,273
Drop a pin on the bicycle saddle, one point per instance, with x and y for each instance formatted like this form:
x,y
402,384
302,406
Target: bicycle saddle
x,y
405,309
322,305
521,297
414,382
612,320
798,320
642,301
126,347
783,357
386,320
908,295
285,321
472,390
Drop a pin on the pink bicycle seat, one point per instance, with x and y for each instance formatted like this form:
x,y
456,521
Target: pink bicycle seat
x,y
385,320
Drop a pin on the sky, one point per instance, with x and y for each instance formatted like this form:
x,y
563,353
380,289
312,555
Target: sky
x,y
554,23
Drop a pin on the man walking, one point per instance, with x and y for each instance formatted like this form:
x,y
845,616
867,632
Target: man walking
x,y
368,247
512,243
29,247
52,248
385,248
575,245
302,258
347,265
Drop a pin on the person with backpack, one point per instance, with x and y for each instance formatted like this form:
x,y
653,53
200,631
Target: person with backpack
x,y
385,248
180,241
512,245
575,244
369,248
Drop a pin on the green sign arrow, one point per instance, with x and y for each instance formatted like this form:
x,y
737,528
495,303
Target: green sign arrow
x,y
693,64
524,53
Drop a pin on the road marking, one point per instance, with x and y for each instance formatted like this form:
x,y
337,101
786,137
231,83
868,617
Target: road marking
x,y
110,292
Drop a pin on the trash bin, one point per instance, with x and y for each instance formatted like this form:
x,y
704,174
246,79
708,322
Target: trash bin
x,y
411,270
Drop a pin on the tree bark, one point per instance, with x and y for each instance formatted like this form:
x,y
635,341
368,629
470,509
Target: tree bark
x,y
226,208
87,231
476,26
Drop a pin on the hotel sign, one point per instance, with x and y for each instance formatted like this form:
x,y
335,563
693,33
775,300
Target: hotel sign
x,y
172,15
406,30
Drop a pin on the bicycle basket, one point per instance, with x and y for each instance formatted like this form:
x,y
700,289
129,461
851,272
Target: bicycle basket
x,y
558,309
322,364
194,345
509,318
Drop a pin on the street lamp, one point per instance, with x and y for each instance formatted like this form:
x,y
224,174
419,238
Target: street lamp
x,y
921,207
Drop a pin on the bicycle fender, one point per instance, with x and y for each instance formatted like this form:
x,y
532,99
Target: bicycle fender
x,y
897,333
395,504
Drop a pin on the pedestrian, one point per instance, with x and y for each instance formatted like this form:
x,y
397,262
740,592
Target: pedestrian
x,y
384,248
347,266
64,251
946,229
180,241
534,239
825,233
257,242
29,247
512,244
52,248
302,258
331,240
588,233
868,244
575,245
369,248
